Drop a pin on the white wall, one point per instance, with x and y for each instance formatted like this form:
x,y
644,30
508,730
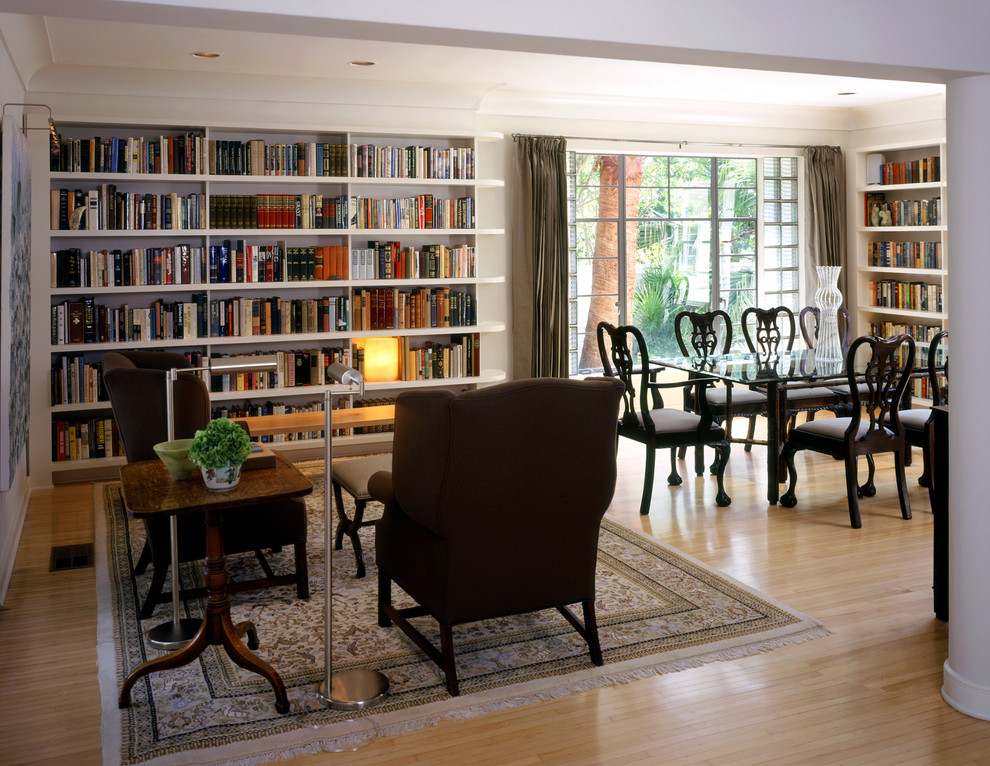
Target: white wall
x,y
13,503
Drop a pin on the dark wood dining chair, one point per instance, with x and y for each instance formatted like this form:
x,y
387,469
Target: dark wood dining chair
x,y
771,331
646,420
703,335
917,422
874,426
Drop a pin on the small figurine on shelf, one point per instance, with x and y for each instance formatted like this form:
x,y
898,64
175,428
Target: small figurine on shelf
x,y
885,217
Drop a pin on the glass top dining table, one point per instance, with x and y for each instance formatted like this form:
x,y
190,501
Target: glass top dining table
x,y
775,374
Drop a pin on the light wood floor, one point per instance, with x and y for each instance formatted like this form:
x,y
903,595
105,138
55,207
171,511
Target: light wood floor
x,y
867,694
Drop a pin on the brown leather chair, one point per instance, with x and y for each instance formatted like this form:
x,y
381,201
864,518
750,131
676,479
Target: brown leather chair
x,y
493,505
136,383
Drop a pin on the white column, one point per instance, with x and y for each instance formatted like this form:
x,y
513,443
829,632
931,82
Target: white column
x,y
966,679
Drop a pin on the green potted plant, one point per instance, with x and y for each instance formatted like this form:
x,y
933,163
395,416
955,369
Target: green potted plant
x,y
219,450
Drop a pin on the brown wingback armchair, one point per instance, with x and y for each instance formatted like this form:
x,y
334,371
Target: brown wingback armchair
x,y
493,505
136,383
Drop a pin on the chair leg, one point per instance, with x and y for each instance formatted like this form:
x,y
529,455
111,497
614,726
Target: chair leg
x,y
902,494
145,558
651,459
352,533
302,571
722,498
852,492
384,597
868,488
591,631
789,498
751,434
449,666
342,521
674,479
699,460
681,452
263,563
154,591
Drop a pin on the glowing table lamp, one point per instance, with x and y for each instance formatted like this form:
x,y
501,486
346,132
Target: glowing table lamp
x,y
381,359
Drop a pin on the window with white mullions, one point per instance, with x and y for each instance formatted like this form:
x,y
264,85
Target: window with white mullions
x,y
653,235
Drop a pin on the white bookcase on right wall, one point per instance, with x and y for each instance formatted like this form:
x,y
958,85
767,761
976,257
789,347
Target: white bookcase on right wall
x,y
901,254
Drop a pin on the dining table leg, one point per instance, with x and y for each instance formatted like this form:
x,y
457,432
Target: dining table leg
x,y
776,436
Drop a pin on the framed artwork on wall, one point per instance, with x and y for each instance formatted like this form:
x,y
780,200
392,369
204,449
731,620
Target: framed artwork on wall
x,y
15,298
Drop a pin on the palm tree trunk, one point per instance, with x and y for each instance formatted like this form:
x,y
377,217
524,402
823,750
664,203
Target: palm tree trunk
x,y
605,263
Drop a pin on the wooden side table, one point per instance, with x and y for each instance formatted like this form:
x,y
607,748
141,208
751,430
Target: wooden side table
x,y
150,491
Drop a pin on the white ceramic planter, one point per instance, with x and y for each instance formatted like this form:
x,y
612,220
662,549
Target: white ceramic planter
x,y
223,478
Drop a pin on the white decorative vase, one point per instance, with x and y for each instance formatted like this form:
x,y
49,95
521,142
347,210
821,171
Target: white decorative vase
x,y
828,298
223,478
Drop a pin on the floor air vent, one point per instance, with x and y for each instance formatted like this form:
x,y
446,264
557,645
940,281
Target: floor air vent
x,y
71,557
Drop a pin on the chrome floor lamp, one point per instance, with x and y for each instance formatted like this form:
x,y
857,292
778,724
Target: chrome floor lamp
x,y
358,688
173,635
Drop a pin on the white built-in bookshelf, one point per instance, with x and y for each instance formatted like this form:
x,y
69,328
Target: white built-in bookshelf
x,y
901,253
211,241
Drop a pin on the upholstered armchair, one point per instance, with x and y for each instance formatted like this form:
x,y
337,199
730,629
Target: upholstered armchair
x,y
493,505
136,383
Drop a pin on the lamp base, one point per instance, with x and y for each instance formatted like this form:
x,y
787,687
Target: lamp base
x,y
171,636
355,689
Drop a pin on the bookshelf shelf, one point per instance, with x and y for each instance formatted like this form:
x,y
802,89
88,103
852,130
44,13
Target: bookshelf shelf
x,y
486,332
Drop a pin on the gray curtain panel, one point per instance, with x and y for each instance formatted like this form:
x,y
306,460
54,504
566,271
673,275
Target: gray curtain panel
x,y
826,185
539,261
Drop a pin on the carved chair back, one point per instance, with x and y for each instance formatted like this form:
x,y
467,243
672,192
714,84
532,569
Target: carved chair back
x,y
886,378
627,359
710,333
811,316
767,337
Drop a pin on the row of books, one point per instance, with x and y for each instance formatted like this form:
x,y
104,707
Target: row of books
x,y
910,255
922,334
925,170
916,296
389,260
389,308
296,367
278,211
85,321
76,381
106,209
906,212
372,161
192,153
257,158
181,154
236,262
431,361
424,211
85,439
244,317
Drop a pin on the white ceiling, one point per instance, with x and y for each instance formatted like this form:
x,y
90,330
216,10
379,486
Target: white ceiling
x,y
81,43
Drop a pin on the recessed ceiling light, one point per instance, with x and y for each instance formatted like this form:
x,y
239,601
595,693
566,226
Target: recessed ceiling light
x,y
847,93
206,55
361,63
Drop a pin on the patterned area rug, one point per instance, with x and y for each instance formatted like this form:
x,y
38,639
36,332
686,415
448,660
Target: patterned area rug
x,y
659,611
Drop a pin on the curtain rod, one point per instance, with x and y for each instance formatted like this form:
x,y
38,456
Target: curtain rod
x,y
679,144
